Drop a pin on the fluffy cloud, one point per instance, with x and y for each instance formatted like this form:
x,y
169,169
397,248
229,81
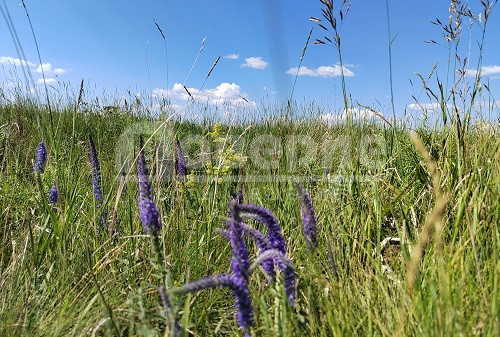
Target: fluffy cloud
x,y
48,80
224,93
232,56
322,71
485,71
255,62
356,115
431,107
47,69
15,62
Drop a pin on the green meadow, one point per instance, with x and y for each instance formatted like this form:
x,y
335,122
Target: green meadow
x,y
407,216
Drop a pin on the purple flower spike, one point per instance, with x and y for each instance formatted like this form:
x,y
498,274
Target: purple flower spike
x,y
41,158
148,211
181,161
240,265
260,240
308,217
275,237
289,280
96,172
263,244
53,193
240,262
239,288
266,217
243,302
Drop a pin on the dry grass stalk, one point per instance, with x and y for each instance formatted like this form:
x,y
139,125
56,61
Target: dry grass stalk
x,y
434,219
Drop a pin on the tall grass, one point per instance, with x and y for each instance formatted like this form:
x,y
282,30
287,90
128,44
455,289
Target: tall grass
x,y
407,241
59,277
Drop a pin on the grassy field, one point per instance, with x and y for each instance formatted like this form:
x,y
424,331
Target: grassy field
x,y
62,276
407,216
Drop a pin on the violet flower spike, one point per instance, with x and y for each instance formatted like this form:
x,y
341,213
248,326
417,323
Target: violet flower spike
x,y
261,242
276,240
53,194
148,211
239,288
240,264
96,172
289,277
243,302
308,217
266,217
238,245
41,158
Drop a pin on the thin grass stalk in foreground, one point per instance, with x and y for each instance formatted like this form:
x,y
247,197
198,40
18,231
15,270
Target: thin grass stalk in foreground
x,y
166,53
433,220
52,130
330,17
300,64
180,160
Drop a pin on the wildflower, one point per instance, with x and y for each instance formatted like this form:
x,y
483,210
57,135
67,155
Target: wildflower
x,y
191,180
276,240
289,276
148,211
308,217
181,161
266,217
41,158
239,289
53,193
96,172
237,281
240,265
260,240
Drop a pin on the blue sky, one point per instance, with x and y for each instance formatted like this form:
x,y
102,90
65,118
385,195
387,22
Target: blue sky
x,y
107,43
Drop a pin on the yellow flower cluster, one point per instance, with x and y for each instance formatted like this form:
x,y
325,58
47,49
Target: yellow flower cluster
x,y
226,156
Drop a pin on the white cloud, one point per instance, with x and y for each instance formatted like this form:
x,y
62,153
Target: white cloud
x,y
431,107
15,62
224,93
48,80
485,71
232,56
255,62
322,71
47,69
356,115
